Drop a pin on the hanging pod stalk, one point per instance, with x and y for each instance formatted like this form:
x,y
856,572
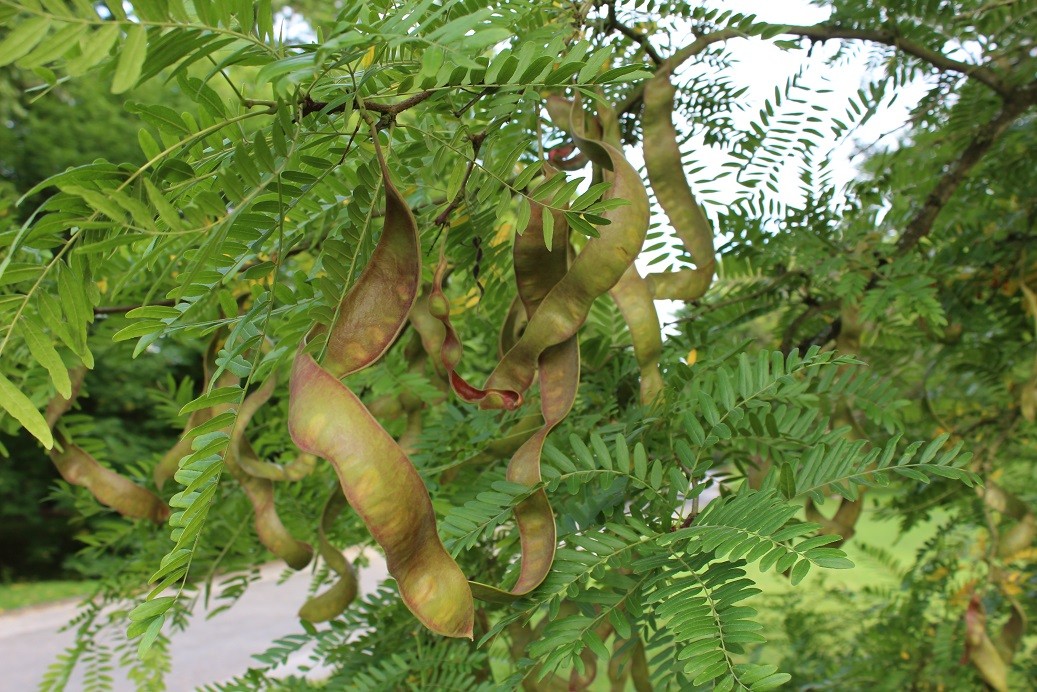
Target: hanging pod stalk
x,y
596,269
378,480
666,173
537,270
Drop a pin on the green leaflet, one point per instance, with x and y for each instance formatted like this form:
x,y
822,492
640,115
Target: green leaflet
x,y
25,412
325,418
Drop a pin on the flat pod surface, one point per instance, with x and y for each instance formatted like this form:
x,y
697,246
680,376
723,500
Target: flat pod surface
x,y
325,418
380,483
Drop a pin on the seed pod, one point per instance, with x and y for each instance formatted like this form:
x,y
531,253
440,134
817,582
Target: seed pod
x,y
383,487
110,488
325,418
511,328
537,271
595,270
77,467
451,350
666,173
332,602
271,531
631,294
634,299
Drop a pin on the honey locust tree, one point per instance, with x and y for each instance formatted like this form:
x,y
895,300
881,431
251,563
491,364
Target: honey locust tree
x,y
402,240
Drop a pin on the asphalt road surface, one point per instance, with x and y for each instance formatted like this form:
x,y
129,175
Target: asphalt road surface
x,y
208,651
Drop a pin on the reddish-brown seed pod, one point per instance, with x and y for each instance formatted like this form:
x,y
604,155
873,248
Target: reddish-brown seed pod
x,y
325,418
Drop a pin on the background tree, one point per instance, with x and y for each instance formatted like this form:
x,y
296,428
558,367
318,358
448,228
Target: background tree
x,y
319,167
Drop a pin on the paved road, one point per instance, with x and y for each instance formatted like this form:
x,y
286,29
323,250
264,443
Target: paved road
x,y
209,651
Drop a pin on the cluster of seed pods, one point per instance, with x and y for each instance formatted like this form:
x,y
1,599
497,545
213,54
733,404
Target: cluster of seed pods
x,y
538,343
555,293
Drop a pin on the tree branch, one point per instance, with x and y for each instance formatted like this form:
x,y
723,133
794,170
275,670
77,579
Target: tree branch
x,y
635,36
310,106
941,62
922,223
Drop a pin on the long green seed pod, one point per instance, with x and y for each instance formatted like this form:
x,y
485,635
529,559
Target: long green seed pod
x,y
597,268
537,270
666,173
634,299
77,467
325,418
330,604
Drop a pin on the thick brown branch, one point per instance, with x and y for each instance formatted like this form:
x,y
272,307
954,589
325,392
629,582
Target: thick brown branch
x,y
941,62
311,106
634,36
922,223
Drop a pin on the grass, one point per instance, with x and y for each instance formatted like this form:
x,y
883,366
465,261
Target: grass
x,y
23,594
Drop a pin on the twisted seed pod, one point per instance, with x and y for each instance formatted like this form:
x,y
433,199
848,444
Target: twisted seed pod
x,y
378,480
77,467
110,488
330,604
511,328
537,271
631,293
597,268
271,531
666,173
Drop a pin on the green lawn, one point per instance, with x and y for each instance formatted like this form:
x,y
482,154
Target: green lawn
x,y
22,594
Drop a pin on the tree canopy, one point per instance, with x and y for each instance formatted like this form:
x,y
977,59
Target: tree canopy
x,y
378,264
